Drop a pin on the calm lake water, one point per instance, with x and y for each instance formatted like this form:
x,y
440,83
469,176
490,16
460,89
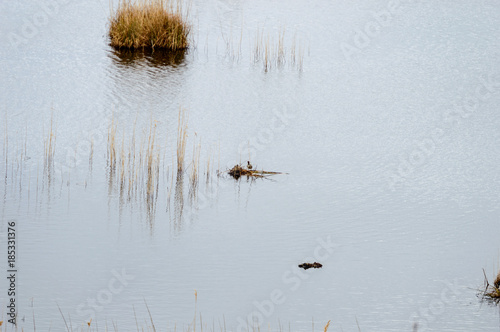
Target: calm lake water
x,y
383,117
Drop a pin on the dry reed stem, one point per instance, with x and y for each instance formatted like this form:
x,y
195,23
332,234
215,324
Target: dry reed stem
x,y
195,307
326,326
292,50
131,163
301,58
91,155
218,162
209,162
112,144
6,144
122,164
267,60
194,175
150,317
153,158
181,138
281,48
49,145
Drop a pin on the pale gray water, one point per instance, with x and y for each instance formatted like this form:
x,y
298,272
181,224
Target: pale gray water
x,y
383,161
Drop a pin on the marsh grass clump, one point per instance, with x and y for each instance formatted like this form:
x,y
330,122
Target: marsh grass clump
x,y
492,292
149,24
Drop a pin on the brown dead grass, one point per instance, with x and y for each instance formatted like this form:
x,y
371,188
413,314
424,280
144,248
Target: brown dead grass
x,y
149,24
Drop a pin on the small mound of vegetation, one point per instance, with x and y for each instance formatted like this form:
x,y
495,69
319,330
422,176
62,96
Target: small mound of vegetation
x,y
237,171
148,24
492,292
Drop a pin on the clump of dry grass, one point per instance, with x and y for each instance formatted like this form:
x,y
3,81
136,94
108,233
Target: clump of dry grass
x,y
149,24
492,292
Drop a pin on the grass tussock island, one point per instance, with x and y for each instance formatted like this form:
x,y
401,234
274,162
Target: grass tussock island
x,y
149,24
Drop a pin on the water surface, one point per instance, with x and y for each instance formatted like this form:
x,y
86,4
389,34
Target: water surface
x,y
390,155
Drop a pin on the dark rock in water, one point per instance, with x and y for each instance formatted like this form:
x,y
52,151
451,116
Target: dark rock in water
x,y
306,266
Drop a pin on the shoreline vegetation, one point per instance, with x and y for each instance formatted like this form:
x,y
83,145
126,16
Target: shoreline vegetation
x,y
149,24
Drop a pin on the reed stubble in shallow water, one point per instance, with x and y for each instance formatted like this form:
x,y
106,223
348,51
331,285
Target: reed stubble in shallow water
x,y
271,51
149,24
134,168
